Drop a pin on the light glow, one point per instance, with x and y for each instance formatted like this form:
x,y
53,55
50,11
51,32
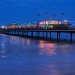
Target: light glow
x,y
3,27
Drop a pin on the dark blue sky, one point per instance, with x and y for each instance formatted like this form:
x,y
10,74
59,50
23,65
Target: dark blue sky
x,y
26,10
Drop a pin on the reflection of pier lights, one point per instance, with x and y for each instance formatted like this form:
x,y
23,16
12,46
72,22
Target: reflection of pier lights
x,y
50,48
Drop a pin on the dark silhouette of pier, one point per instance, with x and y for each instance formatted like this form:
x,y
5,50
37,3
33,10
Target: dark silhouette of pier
x,y
44,33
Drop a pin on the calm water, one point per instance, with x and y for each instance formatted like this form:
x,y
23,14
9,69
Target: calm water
x,y
21,56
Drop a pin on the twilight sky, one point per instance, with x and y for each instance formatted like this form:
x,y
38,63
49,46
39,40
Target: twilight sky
x,y
26,10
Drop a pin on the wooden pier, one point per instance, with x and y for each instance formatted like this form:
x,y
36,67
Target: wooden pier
x,y
25,33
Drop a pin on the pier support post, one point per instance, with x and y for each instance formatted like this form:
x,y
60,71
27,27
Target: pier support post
x,y
58,36
43,34
32,34
15,33
71,37
12,32
27,34
22,33
18,33
50,35
38,34
46,35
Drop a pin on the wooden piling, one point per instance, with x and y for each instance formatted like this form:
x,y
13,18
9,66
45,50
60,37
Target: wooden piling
x,y
71,37
50,35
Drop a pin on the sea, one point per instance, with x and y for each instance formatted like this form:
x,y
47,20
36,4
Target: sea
x,y
27,56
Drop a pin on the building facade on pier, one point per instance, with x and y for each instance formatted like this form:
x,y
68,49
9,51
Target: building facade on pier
x,y
55,24
50,25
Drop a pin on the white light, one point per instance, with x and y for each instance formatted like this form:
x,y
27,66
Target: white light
x,y
3,27
51,26
65,20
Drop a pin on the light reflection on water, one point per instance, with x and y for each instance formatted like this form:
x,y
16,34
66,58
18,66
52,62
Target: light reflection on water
x,y
47,48
21,56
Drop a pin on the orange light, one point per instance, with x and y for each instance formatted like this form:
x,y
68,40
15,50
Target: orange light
x,y
48,48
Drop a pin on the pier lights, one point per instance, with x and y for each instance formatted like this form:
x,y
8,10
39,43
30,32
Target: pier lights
x,y
47,26
51,27
65,20
2,26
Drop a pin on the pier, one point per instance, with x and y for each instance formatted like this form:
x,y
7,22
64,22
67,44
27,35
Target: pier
x,y
39,33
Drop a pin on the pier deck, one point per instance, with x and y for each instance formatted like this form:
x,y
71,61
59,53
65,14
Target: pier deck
x,y
22,32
